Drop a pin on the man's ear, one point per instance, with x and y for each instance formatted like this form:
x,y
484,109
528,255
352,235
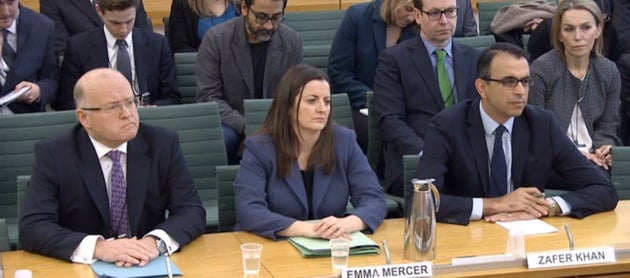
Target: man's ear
x,y
480,84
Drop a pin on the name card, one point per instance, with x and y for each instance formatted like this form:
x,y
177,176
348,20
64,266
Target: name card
x,y
423,269
571,257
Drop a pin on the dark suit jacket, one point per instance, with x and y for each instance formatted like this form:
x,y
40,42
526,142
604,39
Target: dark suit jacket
x,y
355,48
35,60
624,71
224,67
77,16
407,96
455,154
267,203
155,67
466,25
66,199
183,24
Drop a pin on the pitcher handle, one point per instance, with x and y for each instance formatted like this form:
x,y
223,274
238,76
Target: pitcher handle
x,y
436,193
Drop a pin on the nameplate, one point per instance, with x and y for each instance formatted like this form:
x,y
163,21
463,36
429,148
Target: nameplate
x,y
560,258
423,269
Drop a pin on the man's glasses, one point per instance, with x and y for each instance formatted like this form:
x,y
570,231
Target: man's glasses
x,y
262,18
511,82
436,15
115,108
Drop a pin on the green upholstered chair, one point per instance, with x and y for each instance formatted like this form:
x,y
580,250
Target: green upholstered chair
x,y
255,113
620,172
342,111
201,139
487,10
20,132
186,74
227,207
316,55
478,42
22,183
410,165
4,237
305,22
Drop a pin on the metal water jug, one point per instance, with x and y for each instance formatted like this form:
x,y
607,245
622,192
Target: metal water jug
x,y
420,223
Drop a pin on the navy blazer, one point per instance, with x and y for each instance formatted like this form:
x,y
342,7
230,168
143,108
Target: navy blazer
x,y
355,48
72,17
66,199
267,203
455,155
34,61
407,96
155,67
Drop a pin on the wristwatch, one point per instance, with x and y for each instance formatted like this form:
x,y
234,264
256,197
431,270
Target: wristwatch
x,y
161,246
553,207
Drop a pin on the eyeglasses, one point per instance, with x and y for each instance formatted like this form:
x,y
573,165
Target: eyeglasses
x,y
436,15
511,82
115,108
262,18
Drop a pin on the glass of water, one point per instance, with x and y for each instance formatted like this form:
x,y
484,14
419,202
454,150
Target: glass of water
x,y
251,257
339,251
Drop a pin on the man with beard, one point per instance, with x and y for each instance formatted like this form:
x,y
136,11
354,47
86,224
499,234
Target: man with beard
x,y
243,59
492,157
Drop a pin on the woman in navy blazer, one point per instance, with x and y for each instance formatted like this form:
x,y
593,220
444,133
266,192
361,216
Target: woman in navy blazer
x,y
300,167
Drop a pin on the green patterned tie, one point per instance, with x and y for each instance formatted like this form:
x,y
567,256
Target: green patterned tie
x,y
443,80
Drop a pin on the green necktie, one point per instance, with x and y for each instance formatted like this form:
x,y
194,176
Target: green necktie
x,y
443,80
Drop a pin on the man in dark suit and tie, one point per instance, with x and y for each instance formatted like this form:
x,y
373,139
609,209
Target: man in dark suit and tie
x,y
72,17
110,177
27,58
418,78
492,157
143,57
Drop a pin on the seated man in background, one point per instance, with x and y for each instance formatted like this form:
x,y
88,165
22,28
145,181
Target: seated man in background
x,y
143,57
242,59
492,157
417,79
72,17
110,177
28,58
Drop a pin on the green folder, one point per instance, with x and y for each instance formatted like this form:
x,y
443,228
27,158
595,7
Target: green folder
x,y
317,247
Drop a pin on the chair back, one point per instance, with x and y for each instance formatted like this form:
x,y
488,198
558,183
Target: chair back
x,y
620,172
227,207
186,75
22,184
4,237
410,165
478,42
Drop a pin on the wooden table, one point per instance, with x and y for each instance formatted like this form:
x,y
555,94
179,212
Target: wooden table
x,y
218,255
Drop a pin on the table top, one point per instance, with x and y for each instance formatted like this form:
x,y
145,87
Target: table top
x,y
219,255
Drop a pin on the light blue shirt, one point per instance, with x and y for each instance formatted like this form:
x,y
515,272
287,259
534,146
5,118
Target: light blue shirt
x,y
448,62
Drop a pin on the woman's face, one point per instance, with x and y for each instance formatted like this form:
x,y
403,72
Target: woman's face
x,y
578,32
314,107
404,14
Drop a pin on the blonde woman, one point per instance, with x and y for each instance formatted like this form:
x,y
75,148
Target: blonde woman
x,y
190,19
579,85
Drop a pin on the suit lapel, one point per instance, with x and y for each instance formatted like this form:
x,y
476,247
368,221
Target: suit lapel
x,y
520,145
240,52
477,138
296,184
420,58
275,51
86,7
138,173
321,182
140,43
23,29
89,168
98,50
461,70
378,28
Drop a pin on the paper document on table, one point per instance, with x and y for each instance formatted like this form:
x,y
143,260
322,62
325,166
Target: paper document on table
x,y
529,227
155,268
13,95
317,247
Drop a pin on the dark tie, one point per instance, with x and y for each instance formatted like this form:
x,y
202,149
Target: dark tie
x,y
443,79
123,63
119,223
8,54
498,166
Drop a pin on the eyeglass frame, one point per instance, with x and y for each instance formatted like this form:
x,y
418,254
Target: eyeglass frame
x,y
258,17
505,82
115,107
432,15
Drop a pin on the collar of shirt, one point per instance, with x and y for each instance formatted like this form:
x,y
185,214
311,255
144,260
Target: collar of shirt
x,y
102,150
489,125
12,36
431,48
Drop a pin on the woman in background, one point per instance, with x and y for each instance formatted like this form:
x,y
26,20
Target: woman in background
x,y
190,19
300,167
579,85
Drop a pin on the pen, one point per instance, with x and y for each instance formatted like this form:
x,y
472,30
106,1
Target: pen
x,y
169,270
388,257
567,229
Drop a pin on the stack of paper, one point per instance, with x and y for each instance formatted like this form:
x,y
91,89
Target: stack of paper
x,y
529,227
155,268
317,247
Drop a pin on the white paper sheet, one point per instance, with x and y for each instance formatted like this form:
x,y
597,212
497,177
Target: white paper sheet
x,y
529,227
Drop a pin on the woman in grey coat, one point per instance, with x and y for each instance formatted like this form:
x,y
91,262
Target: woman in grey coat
x,y
577,83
